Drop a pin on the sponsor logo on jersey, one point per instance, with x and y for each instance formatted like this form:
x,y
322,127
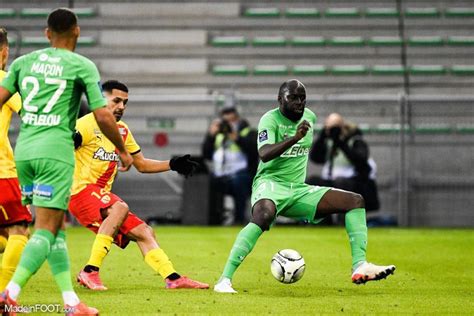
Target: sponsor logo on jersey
x,y
296,151
104,155
263,136
54,60
286,126
27,190
43,190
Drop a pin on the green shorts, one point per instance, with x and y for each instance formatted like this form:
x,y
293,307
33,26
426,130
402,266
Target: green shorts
x,y
294,200
45,182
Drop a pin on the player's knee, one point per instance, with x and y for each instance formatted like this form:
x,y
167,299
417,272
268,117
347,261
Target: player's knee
x,y
358,201
121,208
143,232
263,217
149,232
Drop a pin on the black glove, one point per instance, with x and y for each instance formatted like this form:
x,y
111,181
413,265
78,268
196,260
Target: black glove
x,y
183,165
77,139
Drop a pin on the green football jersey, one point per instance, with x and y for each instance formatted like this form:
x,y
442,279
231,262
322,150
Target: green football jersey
x,y
291,166
51,82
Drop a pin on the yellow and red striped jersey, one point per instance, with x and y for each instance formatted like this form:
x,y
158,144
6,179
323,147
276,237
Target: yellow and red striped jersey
x,y
7,164
96,157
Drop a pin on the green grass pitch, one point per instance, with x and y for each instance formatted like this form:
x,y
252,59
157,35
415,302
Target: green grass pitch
x,y
435,274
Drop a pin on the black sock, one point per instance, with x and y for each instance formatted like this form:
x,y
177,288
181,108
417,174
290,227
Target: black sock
x,y
173,276
88,268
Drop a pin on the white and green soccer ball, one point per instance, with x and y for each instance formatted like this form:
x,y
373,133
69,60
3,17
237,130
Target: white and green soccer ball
x,y
288,266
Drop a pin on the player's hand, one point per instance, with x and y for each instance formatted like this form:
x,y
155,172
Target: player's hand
x,y
302,129
126,161
183,165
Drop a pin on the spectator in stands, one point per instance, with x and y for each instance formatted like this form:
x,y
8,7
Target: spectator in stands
x,y
231,145
347,165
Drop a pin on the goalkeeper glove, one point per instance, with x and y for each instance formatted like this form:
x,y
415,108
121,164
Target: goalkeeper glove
x,y
183,165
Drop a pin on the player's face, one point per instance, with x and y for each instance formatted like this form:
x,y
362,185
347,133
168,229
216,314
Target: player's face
x,y
117,102
293,101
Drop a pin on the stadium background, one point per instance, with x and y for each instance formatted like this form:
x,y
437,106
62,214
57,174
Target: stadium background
x,y
386,71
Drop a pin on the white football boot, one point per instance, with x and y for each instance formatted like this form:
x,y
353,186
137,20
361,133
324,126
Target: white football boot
x,y
224,285
370,272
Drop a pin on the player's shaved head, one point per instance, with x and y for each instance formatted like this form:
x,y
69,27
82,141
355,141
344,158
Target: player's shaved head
x,y
292,99
62,20
110,85
292,84
334,119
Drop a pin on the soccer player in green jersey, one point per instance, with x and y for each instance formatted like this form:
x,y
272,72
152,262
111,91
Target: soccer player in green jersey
x,y
285,135
51,82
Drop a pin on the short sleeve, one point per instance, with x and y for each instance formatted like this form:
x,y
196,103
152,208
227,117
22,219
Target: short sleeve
x,y
14,103
93,89
131,145
266,131
10,82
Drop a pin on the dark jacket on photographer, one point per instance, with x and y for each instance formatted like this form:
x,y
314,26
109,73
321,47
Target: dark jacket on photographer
x,y
246,144
345,155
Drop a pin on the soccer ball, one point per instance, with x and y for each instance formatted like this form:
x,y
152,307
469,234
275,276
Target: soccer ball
x,y
287,266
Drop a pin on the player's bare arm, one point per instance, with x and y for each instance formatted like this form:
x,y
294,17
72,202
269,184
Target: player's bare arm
x,y
145,165
108,126
183,164
272,151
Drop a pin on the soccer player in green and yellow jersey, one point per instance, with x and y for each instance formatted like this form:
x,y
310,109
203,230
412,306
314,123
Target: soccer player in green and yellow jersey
x,y
285,135
50,82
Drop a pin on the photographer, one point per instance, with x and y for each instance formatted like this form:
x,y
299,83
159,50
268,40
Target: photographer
x,y
345,155
231,145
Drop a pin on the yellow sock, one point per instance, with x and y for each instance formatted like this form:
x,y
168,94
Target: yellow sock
x,y
159,261
3,243
100,249
11,258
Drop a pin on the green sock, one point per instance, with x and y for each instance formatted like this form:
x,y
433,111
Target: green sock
x,y
58,260
356,227
243,245
35,253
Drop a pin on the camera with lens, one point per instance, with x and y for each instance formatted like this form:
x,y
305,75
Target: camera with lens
x,y
224,127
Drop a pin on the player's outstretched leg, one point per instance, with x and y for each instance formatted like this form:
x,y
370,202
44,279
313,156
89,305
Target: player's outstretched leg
x,y
157,259
352,204
114,215
263,214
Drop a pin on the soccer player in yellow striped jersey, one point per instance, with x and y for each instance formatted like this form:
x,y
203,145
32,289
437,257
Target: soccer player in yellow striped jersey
x,y
106,214
14,217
